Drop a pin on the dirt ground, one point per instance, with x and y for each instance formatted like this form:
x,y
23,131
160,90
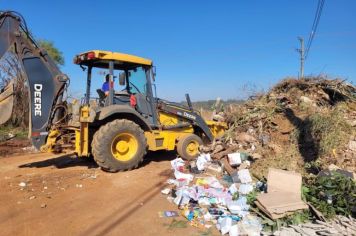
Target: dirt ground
x,y
71,196
15,146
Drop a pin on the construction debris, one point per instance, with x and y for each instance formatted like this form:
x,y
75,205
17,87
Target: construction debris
x,y
283,196
340,225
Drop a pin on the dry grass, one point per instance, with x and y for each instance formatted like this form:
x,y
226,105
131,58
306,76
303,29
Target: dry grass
x,y
289,160
330,130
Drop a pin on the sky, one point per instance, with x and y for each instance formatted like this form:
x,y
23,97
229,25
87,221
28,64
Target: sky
x,y
208,49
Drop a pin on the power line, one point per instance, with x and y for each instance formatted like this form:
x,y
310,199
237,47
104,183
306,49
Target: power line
x,y
314,26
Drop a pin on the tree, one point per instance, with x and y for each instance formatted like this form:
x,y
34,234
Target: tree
x,y
52,51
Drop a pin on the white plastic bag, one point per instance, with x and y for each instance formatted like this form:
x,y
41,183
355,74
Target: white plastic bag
x,y
234,231
177,164
245,188
224,224
233,189
202,161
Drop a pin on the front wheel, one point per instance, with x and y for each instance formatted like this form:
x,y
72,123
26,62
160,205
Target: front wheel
x,y
188,146
119,145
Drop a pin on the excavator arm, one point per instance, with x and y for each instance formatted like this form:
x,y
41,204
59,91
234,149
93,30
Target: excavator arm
x,y
46,83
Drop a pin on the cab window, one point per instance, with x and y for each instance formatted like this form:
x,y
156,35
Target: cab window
x,y
137,80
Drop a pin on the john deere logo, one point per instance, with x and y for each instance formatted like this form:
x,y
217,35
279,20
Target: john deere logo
x,y
37,101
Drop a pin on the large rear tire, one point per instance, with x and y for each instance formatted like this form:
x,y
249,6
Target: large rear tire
x,y
119,145
188,146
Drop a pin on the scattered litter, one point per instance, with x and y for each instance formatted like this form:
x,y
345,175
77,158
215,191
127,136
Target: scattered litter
x,y
234,230
245,188
244,176
233,189
165,214
235,177
32,197
166,191
185,178
237,158
250,225
22,184
202,161
29,149
178,164
43,205
224,225
234,158
78,186
214,170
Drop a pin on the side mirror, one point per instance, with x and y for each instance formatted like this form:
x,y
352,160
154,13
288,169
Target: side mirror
x,y
122,78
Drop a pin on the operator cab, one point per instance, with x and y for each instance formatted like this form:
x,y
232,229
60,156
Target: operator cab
x,y
134,74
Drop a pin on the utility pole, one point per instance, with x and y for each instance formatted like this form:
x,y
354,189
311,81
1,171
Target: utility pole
x,y
301,51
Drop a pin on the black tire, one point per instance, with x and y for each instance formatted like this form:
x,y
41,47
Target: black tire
x,y
183,143
103,143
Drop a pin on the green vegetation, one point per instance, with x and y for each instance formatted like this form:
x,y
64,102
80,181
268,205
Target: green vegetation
x,y
19,132
52,51
331,195
176,224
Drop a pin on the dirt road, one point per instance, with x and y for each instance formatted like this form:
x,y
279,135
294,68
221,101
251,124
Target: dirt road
x,y
71,196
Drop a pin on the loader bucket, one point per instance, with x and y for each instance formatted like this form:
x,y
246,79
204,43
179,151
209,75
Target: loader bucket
x,y
217,128
6,103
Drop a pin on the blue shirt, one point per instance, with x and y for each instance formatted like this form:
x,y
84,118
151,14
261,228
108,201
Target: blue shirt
x,y
105,87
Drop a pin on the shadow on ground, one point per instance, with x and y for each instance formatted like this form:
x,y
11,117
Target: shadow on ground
x,y
61,162
66,161
159,156
307,144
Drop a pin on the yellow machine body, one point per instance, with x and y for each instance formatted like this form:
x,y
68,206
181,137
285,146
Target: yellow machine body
x,y
159,138
156,139
167,139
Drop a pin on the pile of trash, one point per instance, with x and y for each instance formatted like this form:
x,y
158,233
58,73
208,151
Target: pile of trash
x,y
301,125
206,195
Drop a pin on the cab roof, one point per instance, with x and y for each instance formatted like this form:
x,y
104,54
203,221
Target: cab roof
x,y
99,58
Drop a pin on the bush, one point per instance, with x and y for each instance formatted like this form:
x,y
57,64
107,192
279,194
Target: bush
x,y
332,194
